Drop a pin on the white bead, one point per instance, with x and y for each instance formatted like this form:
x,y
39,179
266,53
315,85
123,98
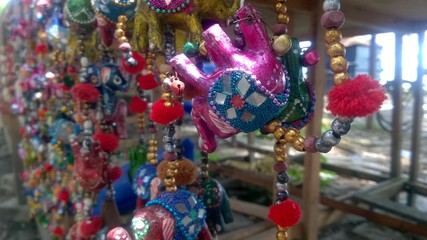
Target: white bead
x,y
99,116
84,61
87,202
87,124
331,5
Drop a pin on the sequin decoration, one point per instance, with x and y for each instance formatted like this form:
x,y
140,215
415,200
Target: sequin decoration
x,y
79,15
167,6
236,97
188,210
142,180
140,227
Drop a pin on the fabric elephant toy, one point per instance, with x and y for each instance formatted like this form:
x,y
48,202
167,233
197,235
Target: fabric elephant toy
x,y
108,80
213,195
153,15
176,215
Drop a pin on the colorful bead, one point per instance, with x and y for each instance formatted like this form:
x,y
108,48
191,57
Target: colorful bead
x,y
332,19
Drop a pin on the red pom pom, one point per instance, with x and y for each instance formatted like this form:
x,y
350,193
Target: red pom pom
x,y
90,228
285,214
165,115
64,196
41,49
59,231
359,97
114,173
47,167
147,82
107,141
85,92
134,69
137,105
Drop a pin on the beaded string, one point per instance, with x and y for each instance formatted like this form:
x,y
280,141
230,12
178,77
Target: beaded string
x,y
332,20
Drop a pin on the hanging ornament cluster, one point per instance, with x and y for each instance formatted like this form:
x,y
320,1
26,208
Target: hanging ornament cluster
x,y
70,63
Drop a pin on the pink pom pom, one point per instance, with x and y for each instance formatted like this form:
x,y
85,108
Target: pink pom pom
x,y
85,92
137,105
285,214
359,97
107,141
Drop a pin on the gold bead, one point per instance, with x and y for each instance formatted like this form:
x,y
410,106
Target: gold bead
x,y
173,164
119,33
279,134
202,49
171,172
280,158
282,18
169,182
64,108
338,64
153,161
291,134
282,236
271,126
336,49
332,36
168,104
281,8
280,148
166,95
171,189
152,148
122,19
340,78
151,155
152,142
120,25
123,39
299,144
140,126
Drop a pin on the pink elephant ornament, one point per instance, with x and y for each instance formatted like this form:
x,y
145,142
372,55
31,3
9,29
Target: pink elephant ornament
x,y
171,216
246,91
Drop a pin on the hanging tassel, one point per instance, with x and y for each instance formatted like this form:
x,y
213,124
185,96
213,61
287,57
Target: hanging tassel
x,y
90,228
85,92
137,105
107,141
147,82
165,115
359,97
134,69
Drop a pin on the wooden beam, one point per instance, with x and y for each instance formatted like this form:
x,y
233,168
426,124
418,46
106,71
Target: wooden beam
x,y
376,21
245,232
299,5
248,208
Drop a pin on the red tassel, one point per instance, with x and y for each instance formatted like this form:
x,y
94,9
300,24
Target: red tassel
x,y
285,214
138,67
90,228
85,92
137,105
114,173
59,231
359,97
64,196
47,167
165,115
147,82
107,141
41,49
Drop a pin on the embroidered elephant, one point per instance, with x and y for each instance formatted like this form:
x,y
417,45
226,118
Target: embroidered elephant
x,y
214,197
109,80
153,15
177,215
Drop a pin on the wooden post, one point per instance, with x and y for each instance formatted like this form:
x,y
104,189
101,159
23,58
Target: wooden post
x,y
311,186
372,71
417,89
396,134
